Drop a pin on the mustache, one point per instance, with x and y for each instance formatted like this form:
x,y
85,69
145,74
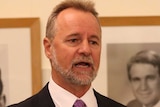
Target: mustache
x,y
86,59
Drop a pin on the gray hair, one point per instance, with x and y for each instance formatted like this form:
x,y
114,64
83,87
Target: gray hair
x,y
83,5
144,56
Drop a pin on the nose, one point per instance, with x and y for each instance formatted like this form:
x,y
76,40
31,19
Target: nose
x,y
143,85
84,48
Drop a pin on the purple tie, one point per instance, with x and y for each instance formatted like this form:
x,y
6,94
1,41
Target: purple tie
x,y
79,103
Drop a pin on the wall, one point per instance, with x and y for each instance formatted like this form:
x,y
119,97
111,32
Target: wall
x,y
42,9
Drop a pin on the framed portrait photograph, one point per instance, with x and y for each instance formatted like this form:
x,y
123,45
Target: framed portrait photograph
x,y
20,58
123,37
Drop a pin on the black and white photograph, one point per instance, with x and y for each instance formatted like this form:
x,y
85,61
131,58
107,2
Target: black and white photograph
x,y
120,86
124,39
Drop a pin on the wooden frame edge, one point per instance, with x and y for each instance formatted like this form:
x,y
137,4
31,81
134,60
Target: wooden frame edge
x,y
129,21
34,25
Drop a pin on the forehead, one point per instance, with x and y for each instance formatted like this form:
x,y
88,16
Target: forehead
x,y
143,70
69,13
73,18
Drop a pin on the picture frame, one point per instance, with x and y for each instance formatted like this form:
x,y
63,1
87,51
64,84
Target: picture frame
x,y
130,21
125,36
33,24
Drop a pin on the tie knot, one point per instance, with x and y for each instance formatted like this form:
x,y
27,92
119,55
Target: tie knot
x,y
79,103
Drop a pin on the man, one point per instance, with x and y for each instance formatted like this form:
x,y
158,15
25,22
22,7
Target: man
x,y
144,76
73,46
2,96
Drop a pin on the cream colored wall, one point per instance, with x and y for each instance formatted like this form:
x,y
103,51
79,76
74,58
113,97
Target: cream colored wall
x,y
42,9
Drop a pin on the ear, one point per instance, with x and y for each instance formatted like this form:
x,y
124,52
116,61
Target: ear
x,y
47,47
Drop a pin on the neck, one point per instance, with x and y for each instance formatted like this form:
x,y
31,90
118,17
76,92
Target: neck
x,y
77,90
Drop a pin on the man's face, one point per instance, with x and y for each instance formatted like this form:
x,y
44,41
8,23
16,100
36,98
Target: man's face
x,y
145,81
75,50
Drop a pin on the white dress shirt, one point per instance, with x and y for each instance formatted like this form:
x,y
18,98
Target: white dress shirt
x,y
63,98
157,105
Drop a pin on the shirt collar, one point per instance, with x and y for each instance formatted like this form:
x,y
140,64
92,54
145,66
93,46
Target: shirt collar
x,y
60,95
156,105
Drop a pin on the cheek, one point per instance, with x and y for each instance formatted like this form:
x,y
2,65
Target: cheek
x,y
96,57
155,86
64,57
97,61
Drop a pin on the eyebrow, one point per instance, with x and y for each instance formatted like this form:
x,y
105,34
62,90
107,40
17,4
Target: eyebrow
x,y
74,34
77,34
96,37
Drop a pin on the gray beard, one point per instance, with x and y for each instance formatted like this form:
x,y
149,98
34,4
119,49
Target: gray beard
x,y
70,75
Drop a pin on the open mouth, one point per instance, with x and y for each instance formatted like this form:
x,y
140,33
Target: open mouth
x,y
83,64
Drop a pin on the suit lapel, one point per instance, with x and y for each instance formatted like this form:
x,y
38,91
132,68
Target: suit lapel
x,y
100,100
45,99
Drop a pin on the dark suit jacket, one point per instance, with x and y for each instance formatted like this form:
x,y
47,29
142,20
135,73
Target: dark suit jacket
x,y
43,99
134,103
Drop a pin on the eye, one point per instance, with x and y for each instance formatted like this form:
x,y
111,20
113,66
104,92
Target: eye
x,y
151,77
73,40
94,43
135,80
